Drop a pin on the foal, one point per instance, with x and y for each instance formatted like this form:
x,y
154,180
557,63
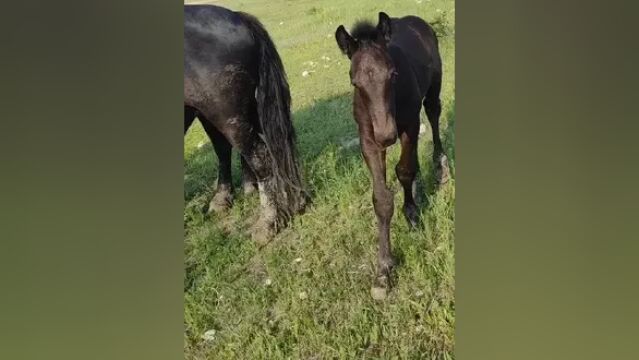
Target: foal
x,y
395,69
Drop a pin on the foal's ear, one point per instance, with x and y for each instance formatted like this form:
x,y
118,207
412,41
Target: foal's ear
x,y
384,26
345,41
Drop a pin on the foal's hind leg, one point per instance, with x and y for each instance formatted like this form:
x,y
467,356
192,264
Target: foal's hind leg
x,y
433,108
406,171
223,198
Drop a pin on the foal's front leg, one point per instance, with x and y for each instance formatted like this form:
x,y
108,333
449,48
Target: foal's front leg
x,y
383,204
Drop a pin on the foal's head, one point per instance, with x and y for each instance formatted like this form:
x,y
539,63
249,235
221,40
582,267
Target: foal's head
x,y
373,76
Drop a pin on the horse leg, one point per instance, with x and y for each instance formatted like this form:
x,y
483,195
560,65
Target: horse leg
x,y
383,203
223,198
189,116
249,182
259,160
240,132
406,171
433,108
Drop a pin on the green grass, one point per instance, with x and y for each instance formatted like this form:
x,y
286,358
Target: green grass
x,y
306,294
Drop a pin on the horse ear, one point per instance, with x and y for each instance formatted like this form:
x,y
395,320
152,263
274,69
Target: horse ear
x,y
384,26
345,41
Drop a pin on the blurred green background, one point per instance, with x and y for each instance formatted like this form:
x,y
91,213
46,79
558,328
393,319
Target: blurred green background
x,y
91,232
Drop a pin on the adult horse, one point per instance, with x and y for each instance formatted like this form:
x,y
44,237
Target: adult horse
x,y
395,70
235,84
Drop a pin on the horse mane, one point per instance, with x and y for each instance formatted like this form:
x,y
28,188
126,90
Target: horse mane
x,y
364,31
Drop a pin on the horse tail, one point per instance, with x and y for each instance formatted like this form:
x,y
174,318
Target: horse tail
x,y
274,112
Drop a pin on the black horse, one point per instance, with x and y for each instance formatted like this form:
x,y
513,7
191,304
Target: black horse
x,y
235,84
395,69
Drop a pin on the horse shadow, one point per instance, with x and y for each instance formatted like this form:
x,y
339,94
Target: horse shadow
x,y
326,124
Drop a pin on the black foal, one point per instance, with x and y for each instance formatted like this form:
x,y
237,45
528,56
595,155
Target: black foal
x,y
395,70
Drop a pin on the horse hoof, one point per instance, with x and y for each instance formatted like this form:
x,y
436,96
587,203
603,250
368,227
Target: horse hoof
x,y
443,171
222,201
379,293
381,285
262,237
410,212
262,233
249,188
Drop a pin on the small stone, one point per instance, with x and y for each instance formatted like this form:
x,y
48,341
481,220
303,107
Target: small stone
x,y
298,260
305,73
209,335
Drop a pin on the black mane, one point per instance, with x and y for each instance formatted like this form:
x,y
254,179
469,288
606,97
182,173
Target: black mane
x,y
364,30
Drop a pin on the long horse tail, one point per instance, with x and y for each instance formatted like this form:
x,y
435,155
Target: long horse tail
x,y
274,112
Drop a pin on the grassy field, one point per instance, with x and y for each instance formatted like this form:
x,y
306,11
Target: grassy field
x,y
306,294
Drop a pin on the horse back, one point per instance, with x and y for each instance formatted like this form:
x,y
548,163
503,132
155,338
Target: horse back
x,y
414,44
220,53
213,35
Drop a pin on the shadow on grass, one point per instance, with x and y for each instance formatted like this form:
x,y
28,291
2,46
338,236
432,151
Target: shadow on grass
x,y
322,130
327,123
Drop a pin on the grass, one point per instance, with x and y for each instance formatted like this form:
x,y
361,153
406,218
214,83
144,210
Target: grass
x,y
306,294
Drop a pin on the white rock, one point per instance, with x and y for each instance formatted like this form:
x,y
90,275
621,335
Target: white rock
x,y
209,335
